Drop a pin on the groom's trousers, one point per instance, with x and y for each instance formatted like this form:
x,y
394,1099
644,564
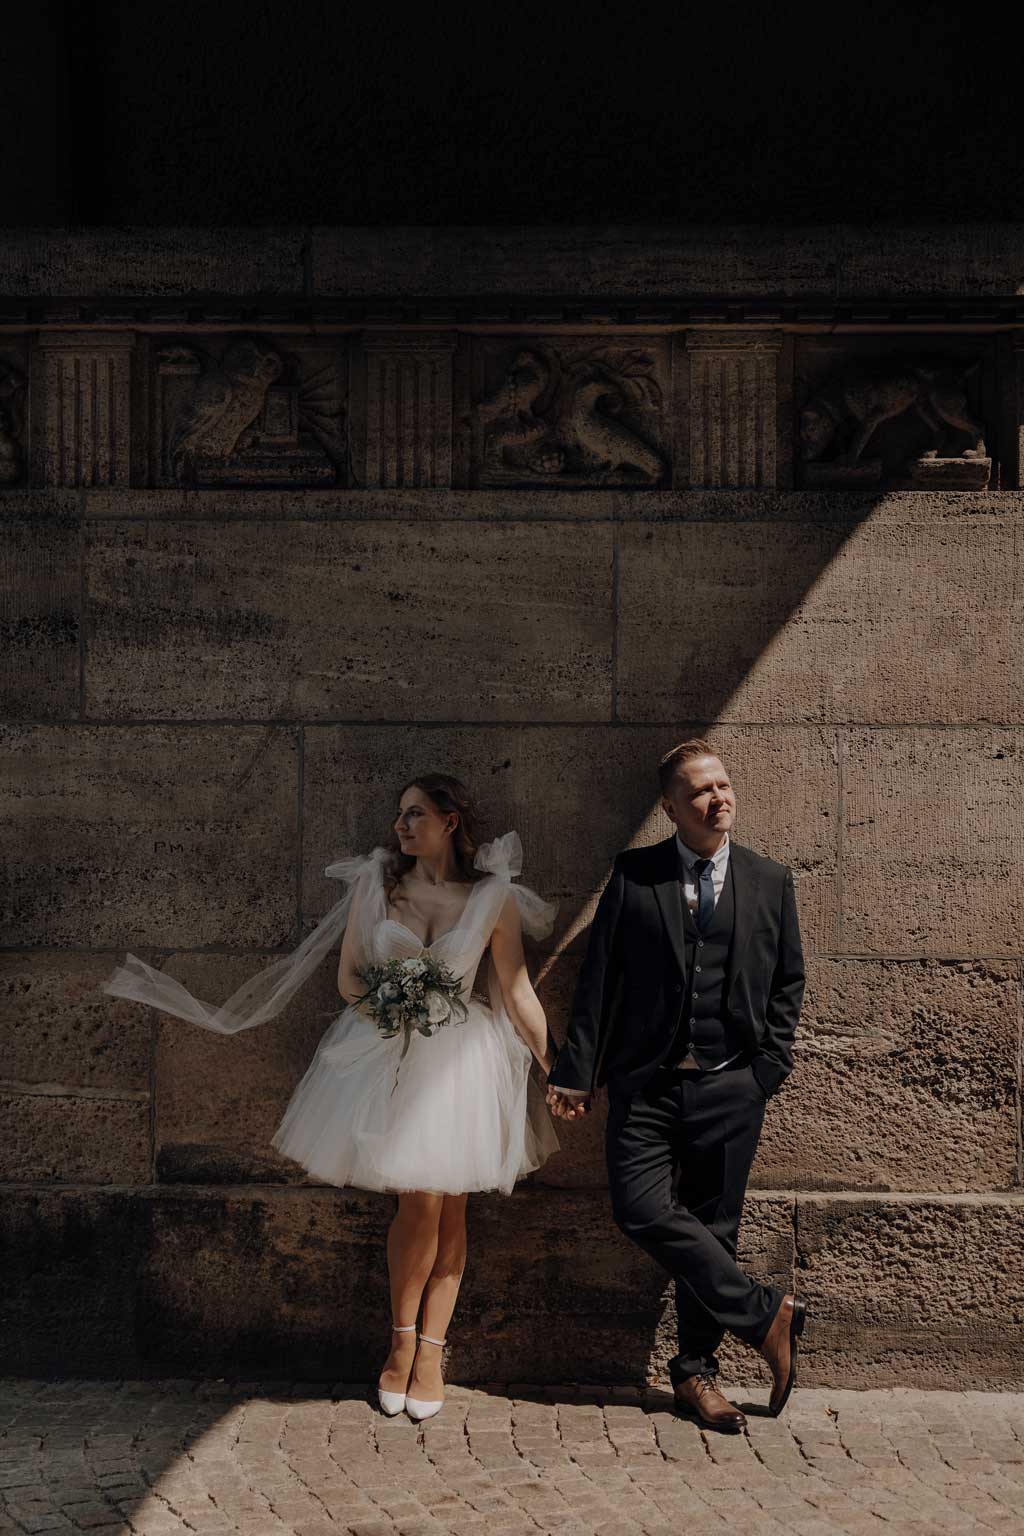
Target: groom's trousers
x,y
679,1154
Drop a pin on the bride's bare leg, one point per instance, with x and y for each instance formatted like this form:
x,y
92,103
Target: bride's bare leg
x,y
439,1297
412,1251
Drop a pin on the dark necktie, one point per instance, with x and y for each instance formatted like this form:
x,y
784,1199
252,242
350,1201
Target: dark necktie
x,y
705,893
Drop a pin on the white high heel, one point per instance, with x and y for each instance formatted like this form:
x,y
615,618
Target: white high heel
x,y
394,1402
419,1408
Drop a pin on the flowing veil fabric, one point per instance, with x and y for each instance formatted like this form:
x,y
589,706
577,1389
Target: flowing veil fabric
x,y
263,996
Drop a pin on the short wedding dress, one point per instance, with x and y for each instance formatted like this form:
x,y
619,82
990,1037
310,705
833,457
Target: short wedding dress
x,y
460,1111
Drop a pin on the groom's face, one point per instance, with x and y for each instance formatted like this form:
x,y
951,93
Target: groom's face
x,y
701,801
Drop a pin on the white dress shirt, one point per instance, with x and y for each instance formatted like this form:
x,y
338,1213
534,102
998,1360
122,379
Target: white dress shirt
x,y
719,865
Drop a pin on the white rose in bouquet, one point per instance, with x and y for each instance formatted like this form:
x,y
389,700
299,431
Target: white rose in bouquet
x,y
438,1007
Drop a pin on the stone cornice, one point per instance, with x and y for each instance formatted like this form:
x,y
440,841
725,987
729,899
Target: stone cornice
x,y
513,316
680,268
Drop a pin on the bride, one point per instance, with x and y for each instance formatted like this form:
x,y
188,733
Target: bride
x,y
431,1118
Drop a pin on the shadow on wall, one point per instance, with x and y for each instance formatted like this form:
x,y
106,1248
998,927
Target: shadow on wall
x,y
577,794
198,1276
212,1278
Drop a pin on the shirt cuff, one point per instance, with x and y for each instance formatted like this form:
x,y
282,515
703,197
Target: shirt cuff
x,y
571,1093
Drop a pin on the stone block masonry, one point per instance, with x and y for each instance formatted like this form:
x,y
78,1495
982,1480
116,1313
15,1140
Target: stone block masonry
x,y
289,516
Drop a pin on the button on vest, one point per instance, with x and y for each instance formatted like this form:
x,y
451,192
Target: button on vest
x,y
704,1027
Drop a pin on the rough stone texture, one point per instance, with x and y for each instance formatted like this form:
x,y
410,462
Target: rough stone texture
x,y
239,1280
258,504
162,262
58,1030
905,1079
637,260
188,739
536,780
919,1288
934,814
70,1262
166,1457
150,836
654,260
804,621
73,1138
219,1099
310,620
40,617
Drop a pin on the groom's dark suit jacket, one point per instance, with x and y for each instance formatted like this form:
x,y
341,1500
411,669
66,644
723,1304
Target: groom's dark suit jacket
x,y
630,995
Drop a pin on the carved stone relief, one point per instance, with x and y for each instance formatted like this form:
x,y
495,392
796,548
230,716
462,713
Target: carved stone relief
x,y
732,412
82,429
907,420
558,412
249,412
407,420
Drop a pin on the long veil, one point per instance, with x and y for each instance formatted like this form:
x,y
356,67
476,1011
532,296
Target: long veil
x,y
264,995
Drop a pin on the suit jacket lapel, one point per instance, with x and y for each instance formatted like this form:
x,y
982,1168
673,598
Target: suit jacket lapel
x,y
670,897
746,880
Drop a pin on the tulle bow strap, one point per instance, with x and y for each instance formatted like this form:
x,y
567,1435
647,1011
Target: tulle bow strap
x,y
263,996
361,863
504,858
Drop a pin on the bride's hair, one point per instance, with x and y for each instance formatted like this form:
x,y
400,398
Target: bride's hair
x,y
448,794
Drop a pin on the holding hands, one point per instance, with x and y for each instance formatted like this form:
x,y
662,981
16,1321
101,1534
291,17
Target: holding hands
x,y
568,1105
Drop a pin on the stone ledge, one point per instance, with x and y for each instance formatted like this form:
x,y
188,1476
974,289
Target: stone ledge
x,y
152,262
66,508
907,1291
641,262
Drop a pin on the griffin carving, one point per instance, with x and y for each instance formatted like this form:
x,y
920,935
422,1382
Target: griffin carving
x,y
547,419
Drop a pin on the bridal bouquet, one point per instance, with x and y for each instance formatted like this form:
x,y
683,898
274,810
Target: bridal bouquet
x,y
403,995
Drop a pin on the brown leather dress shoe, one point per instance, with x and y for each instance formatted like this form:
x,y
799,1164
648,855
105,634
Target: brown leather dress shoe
x,y
701,1396
779,1349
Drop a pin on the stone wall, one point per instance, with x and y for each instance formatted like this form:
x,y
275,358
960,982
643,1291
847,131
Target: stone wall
x,y
290,515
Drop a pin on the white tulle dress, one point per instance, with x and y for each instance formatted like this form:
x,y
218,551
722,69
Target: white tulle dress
x,y
460,1112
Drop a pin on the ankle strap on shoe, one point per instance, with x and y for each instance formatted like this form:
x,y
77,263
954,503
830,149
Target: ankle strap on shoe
x,y
404,1328
428,1340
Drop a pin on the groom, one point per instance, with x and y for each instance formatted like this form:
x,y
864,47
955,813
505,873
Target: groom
x,y
687,1005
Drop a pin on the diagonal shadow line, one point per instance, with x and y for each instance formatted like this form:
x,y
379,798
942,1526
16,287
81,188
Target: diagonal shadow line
x,y
735,639
735,636
721,642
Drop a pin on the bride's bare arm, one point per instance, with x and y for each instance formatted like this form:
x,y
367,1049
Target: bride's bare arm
x,y
521,1000
350,981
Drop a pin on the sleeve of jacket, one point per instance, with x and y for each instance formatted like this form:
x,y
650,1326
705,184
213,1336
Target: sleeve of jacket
x,y
774,1062
576,1063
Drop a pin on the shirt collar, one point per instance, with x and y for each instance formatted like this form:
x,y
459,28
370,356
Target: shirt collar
x,y
719,858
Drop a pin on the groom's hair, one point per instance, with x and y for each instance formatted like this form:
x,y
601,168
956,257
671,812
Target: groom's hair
x,y
695,747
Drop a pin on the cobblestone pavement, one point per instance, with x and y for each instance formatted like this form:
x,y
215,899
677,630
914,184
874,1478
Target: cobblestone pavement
x,y
268,1458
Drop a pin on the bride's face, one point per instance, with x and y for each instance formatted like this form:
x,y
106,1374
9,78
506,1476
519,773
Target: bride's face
x,y
423,830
